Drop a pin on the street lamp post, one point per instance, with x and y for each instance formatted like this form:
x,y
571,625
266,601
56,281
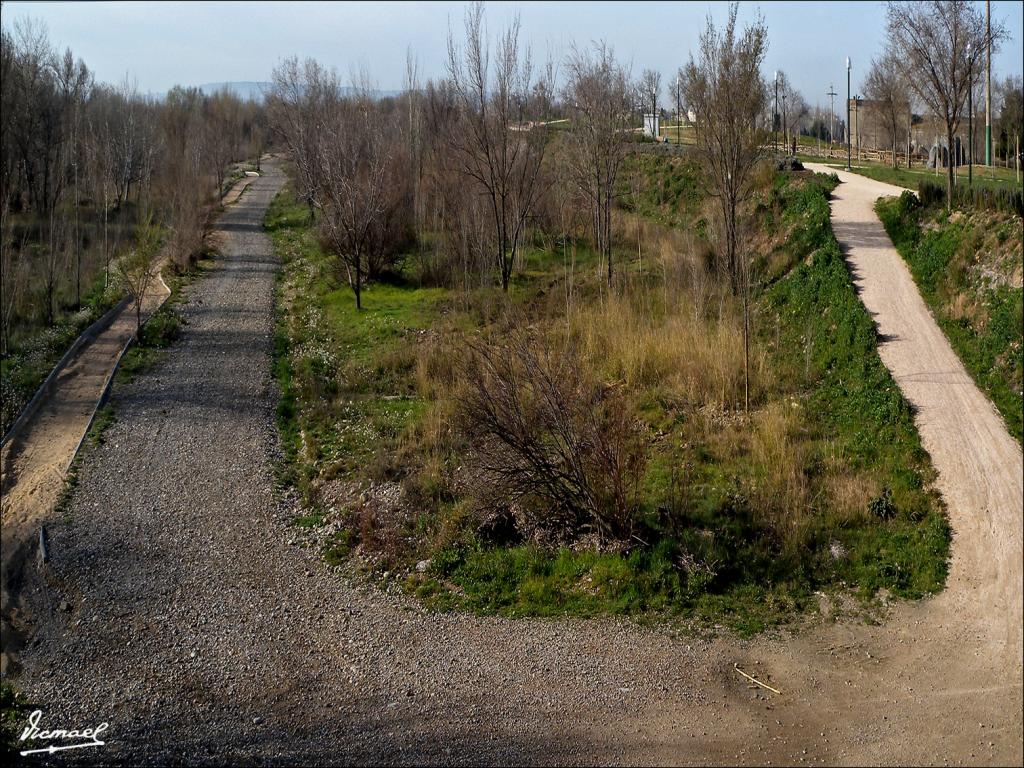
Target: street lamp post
x,y
848,166
831,117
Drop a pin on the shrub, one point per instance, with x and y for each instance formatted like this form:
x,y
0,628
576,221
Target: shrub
x,y
930,193
546,434
909,203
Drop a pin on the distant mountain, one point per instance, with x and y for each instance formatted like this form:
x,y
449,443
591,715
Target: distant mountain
x,y
243,89
255,90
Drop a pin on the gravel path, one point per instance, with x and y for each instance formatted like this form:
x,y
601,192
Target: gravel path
x,y
33,465
200,634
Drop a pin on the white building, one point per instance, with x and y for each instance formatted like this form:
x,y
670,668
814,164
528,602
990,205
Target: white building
x,y
651,125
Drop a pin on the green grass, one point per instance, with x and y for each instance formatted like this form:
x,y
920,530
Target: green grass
x,y
29,362
345,382
858,410
988,341
985,178
348,397
670,189
14,707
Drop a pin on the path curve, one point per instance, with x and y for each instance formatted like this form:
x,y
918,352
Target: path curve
x,y
198,631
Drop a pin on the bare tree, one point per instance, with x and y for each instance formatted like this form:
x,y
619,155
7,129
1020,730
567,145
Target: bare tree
x,y
650,90
100,163
352,167
492,145
598,92
1010,123
937,44
724,88
138,268
295,106
222,133
185,187
887,87
74,82
794,111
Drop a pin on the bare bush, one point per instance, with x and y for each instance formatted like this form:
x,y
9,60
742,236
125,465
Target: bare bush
x,y
551,438
138,269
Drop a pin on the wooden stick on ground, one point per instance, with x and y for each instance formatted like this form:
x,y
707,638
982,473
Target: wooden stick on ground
x,y
754,679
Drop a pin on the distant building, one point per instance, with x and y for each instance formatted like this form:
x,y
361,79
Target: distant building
x,y
867,126
868,131
652,125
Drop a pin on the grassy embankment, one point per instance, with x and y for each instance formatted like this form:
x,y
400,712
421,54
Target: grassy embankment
x,y
739,521
33,355
968,266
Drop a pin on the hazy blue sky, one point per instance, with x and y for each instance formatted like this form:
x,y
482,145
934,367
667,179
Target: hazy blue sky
x,y
167,43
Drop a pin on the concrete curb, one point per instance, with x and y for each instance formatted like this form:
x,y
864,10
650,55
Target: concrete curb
x,y
109,381
89,334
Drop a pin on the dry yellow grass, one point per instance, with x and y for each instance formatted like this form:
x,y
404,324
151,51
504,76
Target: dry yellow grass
x,y
778,453
686,337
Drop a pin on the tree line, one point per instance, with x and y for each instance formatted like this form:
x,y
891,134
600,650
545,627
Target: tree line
x,y
933,61
84,162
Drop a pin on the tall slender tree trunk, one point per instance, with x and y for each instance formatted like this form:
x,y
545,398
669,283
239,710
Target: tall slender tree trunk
x,y
746,347
608,234
106,252
359,278
950,168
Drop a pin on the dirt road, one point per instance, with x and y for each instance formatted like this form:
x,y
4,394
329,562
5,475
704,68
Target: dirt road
x,y
179,610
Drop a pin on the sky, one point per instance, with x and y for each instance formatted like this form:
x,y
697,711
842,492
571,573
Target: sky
x,y
161,44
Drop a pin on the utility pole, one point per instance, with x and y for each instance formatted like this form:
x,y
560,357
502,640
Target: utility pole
x,y
785,127
848,166
775,115
679,134
970,116
831,116
988,83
